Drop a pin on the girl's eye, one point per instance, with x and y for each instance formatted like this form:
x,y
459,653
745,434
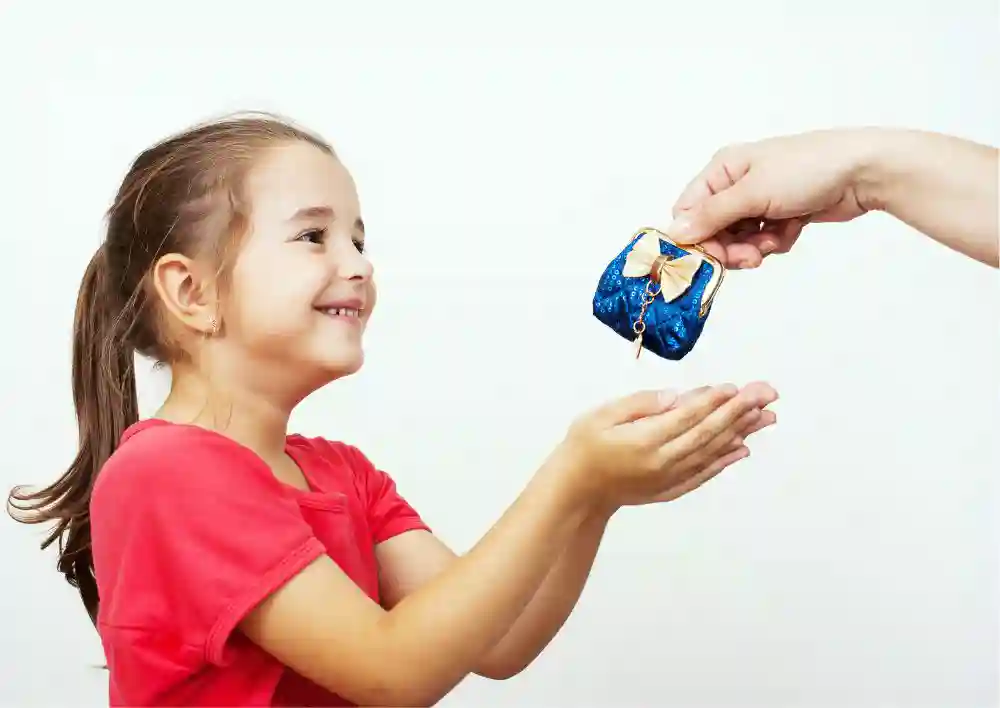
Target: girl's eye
x,y
319,236
313,235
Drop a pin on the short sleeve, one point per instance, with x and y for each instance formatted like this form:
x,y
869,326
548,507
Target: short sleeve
x,y
190,532
389,514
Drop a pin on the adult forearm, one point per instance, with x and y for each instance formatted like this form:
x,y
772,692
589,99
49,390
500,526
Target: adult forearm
x,y
551,605
466,610
943,186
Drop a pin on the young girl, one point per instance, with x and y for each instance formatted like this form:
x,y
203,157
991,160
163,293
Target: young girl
x,y
226,562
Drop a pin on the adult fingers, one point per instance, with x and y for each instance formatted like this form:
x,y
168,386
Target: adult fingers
x,y
726,168
777,237
742,255
717,212
717,249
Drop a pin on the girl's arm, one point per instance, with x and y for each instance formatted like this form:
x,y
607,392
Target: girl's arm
x,y
409,560
412,559
321,625
325,628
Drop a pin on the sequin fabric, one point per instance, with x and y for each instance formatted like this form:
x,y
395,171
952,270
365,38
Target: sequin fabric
x,y
672,328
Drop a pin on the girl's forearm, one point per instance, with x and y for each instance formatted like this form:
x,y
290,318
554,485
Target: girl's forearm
x,y
552,604
469,607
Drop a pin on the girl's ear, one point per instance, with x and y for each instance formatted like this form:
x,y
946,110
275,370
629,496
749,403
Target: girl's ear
x,y
187,291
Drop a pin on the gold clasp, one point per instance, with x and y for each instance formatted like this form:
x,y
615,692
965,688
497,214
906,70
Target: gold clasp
x,y
718,270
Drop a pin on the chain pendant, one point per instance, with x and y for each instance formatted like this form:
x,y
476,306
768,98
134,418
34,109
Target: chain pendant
x,y
639,326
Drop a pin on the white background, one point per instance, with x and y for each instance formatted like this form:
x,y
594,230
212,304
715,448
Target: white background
x,y
504,155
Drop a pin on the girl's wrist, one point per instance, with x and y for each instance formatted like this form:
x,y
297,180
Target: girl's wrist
x,y
568,477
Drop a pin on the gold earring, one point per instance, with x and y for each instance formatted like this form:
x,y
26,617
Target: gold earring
x,y
214,324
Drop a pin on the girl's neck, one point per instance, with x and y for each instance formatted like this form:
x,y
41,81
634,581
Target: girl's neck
x,y
250,417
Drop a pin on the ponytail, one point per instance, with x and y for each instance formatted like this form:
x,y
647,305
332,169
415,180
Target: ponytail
x,y
104,393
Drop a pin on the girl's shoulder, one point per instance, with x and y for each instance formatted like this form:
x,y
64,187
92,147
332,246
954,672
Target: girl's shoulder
x,y
331,451
173,458
331,463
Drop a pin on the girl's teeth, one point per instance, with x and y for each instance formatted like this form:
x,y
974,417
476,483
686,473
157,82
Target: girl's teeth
x,y
344,311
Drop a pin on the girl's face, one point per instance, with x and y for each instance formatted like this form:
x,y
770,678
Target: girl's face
x,y
301,290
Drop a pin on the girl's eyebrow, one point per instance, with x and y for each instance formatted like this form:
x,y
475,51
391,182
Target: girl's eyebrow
x,y
322,212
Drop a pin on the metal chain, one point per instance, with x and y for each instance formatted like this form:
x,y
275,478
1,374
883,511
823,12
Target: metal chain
x,y
639,326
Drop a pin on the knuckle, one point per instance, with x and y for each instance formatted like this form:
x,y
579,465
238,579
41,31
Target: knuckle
x,y
690,417
702,437
647,401
650,466
722,153
668,458
685,468
727,151
583,428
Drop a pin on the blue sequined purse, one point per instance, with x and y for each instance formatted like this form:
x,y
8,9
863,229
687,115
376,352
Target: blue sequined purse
x,y
658,294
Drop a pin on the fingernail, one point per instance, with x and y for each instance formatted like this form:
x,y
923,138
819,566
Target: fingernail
x,y
667,397
680,229
728,389
767,247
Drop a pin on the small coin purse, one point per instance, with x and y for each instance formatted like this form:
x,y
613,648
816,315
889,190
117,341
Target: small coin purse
x,y
658,294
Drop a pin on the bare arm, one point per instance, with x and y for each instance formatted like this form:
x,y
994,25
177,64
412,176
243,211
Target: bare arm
x,y
328,630
553,603
945,187
325,628
410,560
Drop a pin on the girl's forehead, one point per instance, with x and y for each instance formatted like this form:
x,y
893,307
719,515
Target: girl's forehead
x,y
297,176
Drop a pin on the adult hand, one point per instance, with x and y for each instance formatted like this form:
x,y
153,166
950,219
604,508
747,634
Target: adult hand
x,y
753,199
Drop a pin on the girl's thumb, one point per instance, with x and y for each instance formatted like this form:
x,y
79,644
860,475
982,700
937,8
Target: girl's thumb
x,y
638,405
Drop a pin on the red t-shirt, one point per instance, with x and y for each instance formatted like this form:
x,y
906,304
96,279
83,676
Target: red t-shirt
x,y
192,530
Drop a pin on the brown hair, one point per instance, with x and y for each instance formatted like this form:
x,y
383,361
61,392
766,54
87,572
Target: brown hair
x,y
183,195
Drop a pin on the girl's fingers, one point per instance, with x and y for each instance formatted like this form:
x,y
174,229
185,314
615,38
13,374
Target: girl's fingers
x,y
697,480
683,417
722,443
767,418
707,427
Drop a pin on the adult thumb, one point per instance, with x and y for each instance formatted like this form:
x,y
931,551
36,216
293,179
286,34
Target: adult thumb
x,y
641,404
715,213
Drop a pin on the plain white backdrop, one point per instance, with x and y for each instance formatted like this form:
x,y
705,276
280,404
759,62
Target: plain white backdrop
x,y
504,154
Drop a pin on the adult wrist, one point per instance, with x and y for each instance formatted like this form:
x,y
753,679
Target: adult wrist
x,y
876,157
